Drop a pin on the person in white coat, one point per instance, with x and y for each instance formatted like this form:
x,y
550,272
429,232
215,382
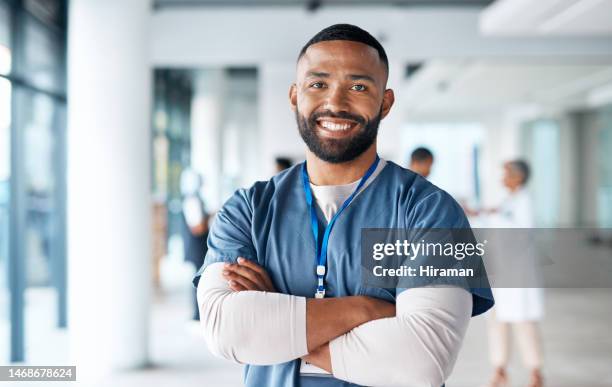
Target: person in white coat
x,y
520,308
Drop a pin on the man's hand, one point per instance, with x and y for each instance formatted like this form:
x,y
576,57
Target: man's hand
x,y
320,357
247,275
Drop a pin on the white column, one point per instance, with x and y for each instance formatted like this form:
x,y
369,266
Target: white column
x,y
206,145
109,254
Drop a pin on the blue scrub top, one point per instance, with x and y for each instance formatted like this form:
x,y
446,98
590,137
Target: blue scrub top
x,y
269,223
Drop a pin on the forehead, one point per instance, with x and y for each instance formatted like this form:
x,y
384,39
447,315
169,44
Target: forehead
x,y
341,56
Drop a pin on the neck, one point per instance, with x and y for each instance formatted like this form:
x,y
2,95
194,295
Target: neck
x,y
324,173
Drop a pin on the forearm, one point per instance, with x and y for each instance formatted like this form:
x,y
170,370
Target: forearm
x,y
250,327
320,357
329,318
417,348
257,327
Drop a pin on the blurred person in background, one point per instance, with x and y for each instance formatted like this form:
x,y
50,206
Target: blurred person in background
x,y
283,163
421,161
521,308
195,224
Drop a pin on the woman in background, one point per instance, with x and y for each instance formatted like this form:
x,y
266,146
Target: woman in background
x,y
521,308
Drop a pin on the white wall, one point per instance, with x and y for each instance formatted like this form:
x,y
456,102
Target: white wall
x,y
501,143
277,127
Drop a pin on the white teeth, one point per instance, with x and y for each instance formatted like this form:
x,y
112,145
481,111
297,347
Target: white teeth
x,y
332,126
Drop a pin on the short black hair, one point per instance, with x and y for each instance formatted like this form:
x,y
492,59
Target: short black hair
x,y
421,154
347,32
522,168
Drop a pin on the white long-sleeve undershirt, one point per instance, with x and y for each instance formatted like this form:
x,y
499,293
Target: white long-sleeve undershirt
x,y
250,327
418,347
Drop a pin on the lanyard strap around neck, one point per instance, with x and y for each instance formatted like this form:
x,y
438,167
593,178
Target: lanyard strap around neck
x,y
321,249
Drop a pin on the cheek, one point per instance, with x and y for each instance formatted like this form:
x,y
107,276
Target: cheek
x,y
306,103
368,106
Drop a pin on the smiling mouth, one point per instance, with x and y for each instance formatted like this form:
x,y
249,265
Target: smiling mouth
x,y
339,126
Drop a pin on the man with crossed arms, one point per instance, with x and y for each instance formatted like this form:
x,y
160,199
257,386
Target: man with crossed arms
x,y
298,321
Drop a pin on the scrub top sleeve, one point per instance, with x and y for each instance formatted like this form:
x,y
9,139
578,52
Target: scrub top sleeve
x,y
438,210
230,233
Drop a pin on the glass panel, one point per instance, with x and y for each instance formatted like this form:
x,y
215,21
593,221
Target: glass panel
x,y
5,173
541,143
37,115
5,38
604,194
42,56
172,129
47,11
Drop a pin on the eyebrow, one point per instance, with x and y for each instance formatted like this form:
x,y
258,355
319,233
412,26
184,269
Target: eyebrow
x,y
359,77
317,74
353,77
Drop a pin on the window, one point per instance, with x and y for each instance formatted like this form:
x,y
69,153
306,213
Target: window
x,y
5,173
42,64
541,145
32,127
5,38
604,190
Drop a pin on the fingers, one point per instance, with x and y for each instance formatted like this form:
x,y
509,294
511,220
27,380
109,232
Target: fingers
x,y
251,265
247,275
235,286
258,269
238,282
245,272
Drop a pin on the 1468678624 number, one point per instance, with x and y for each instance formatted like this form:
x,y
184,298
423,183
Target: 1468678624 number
x,y
37,373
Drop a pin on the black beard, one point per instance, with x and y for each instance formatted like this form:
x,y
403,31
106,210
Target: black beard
x,y
337,150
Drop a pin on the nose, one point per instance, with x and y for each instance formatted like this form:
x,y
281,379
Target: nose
x,y
337,100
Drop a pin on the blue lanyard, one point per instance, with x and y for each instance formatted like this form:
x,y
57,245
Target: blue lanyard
x,y
321,253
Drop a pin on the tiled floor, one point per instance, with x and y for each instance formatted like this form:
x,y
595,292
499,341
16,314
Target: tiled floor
x,y
577,339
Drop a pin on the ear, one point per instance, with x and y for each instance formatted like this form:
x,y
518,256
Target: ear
x,y
293,97
388,100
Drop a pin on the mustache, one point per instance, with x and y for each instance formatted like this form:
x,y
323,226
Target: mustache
x,y
329,114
